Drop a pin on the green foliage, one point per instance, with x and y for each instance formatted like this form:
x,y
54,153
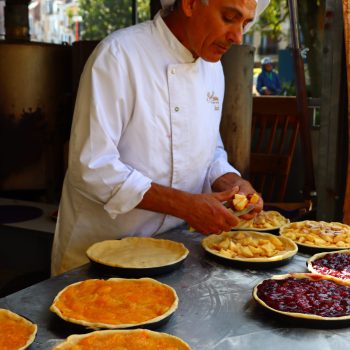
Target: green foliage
x,y
270,22
288,89
101,17
311,24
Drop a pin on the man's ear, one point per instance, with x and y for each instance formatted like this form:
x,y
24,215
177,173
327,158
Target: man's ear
x,y
188,6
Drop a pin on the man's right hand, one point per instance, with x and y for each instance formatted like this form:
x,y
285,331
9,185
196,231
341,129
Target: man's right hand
x,y
204,212
208,215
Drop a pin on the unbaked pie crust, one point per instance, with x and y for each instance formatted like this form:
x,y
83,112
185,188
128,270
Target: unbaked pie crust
x,y
137,252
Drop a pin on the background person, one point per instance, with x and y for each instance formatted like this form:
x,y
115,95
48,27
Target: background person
x,y
268,80
145,150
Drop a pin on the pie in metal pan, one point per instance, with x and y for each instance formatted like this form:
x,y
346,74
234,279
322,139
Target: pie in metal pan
x,y
116,303
16,332
138,256
336,264
123,339
318,236
264,221
256,249
307,299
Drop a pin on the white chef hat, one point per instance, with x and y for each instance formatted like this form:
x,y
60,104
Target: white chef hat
x,y
260,7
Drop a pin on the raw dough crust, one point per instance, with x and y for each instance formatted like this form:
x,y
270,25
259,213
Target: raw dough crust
x,y
137,252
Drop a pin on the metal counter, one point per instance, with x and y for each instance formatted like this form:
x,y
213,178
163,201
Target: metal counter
x,y
216,310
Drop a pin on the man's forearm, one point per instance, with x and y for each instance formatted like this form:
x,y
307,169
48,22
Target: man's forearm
x,y
205,212
166,200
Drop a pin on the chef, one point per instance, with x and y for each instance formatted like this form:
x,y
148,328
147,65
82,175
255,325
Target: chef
x,y
145,151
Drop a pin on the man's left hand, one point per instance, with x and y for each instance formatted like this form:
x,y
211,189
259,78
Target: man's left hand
x,y
230,180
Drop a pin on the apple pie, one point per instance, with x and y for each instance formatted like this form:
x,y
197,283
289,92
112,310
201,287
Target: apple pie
x,y
250,246
318,234
265,220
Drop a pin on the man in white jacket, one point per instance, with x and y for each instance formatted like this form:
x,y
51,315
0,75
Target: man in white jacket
x,y
145,150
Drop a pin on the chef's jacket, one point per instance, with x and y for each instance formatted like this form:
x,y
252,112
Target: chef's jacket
x,y
146,111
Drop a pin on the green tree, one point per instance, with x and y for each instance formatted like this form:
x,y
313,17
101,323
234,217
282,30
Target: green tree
x,y
101,17
311,17
271,21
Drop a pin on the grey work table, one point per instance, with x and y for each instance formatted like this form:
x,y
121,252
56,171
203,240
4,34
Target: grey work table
x,y
216,310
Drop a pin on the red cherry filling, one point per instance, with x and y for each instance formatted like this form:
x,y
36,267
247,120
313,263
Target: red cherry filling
x,y
337,265
306,296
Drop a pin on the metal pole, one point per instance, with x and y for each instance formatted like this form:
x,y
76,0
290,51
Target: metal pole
x,y
134,12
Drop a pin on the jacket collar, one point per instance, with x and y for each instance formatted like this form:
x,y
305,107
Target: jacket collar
x,y
179,51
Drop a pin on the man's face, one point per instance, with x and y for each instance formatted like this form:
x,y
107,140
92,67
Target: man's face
x,y
268,67
212,29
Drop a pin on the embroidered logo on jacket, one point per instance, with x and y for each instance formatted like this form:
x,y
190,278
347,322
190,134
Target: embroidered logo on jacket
x,y
211,98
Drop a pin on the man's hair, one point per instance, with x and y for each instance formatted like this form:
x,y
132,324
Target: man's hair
x,y
178,2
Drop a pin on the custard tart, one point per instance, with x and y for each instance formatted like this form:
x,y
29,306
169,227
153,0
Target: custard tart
x,y
16,332
138,339
116,303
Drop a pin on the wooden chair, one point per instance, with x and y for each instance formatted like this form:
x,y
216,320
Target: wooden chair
x,y
275,128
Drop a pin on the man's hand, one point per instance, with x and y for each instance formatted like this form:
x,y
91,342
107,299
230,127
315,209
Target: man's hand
x,y
204,212
230,180
208,215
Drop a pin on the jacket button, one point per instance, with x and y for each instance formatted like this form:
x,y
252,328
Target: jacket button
x,y
173,71
177,109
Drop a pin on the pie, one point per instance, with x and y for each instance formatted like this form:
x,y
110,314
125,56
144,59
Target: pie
x,y
137,252
250,246
305,295
16,332
265,220
138,339
318,234
115,303
336,264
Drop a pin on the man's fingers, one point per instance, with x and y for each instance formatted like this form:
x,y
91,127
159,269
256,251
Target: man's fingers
x,y
226,195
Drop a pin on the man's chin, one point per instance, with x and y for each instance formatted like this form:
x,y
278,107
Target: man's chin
x,y
212,58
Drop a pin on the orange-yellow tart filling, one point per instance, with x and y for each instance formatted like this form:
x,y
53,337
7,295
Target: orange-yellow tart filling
x,y
115,302
14,331
142,340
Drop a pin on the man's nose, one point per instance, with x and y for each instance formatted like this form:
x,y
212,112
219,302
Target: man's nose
x,y
235,34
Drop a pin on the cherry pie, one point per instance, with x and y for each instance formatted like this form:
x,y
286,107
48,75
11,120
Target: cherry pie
x,y
336,264
305,296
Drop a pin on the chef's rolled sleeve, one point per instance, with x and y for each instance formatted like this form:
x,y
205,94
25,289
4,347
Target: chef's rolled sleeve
x,y
96,169
128,195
